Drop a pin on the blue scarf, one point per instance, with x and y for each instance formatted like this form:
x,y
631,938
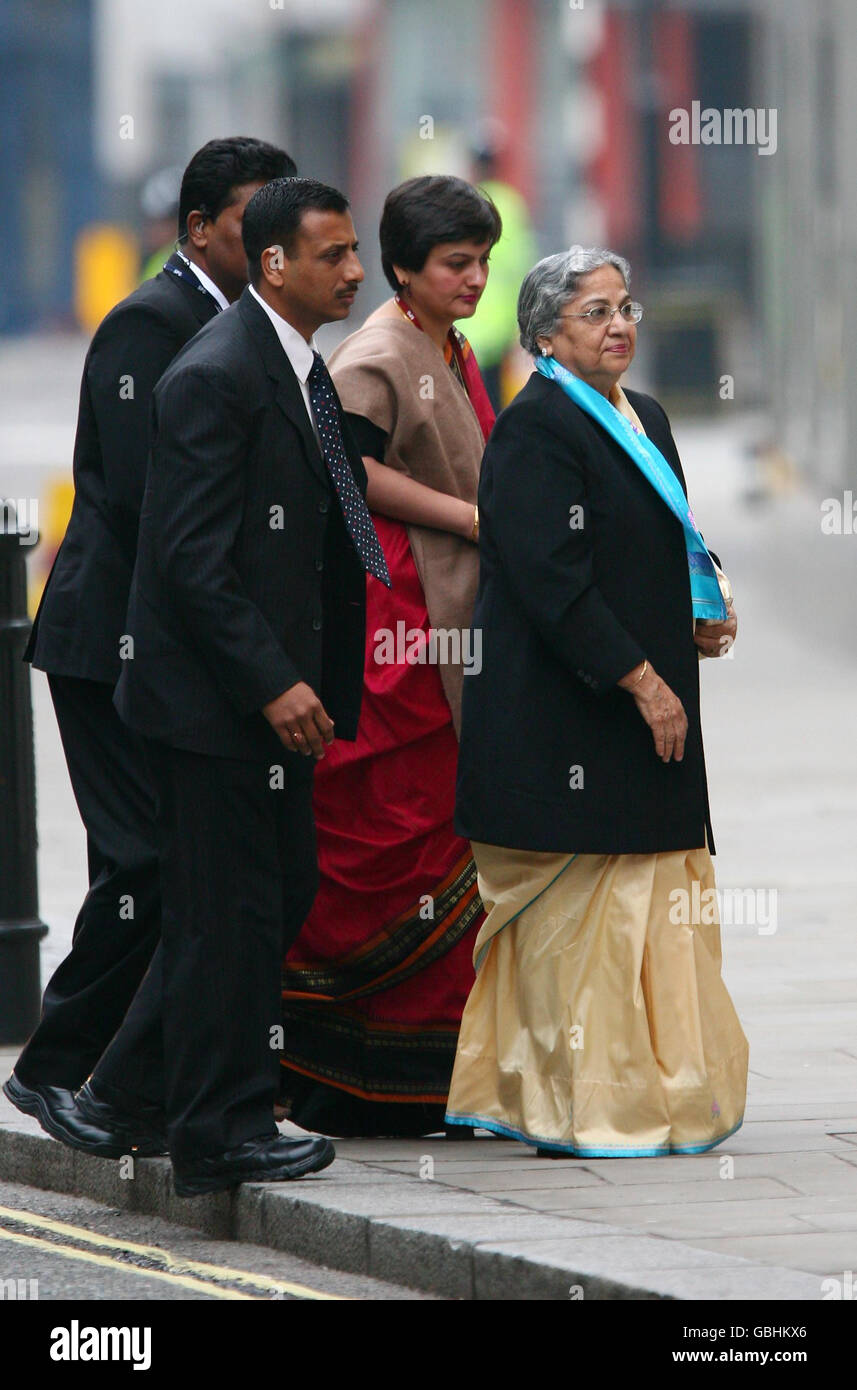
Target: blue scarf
x,y
704,587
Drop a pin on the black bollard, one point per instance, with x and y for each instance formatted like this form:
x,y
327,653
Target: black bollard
x,y
20,927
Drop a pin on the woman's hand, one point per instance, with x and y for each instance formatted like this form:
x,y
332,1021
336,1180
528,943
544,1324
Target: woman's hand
x,y
404,499
662,710
715,639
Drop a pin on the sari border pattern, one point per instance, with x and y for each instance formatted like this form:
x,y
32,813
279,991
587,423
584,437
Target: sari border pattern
x,y
398,951
586,1150
419,1059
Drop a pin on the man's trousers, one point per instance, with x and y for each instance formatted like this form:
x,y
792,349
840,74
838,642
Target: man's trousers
x,y
118,925
238,876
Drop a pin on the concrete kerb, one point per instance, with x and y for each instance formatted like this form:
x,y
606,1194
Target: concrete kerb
x,y
371,1220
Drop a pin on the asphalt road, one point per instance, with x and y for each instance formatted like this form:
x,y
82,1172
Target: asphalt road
x,y
55,1248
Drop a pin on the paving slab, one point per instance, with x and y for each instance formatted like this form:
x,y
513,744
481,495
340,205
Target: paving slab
x,y
692,1221
579,1200
833,1217
733,1285
793,1168
602,1255
828,1253
548,1178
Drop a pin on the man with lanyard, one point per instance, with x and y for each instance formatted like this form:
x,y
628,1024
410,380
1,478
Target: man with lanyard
x,y
79,638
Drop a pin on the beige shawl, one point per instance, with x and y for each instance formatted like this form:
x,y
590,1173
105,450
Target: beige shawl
x,y
394,375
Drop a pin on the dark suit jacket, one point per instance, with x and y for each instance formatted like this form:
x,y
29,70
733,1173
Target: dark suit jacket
x,y
246,579
564,613
82,613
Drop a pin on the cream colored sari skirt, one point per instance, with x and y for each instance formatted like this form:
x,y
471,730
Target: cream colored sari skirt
x,y
599,1024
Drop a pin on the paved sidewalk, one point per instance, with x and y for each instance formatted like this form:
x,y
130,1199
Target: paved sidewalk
x,y
771,1214
474,1220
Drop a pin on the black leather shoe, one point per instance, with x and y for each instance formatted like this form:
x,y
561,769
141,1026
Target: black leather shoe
x,y
259,1160
142,1130
56,1112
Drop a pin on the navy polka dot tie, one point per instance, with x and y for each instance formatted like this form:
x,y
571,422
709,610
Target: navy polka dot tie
x,y
358,521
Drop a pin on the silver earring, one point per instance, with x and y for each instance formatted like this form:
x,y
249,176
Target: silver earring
x,y
546,352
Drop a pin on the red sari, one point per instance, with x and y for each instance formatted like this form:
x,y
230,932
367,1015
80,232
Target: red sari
x,y
375,986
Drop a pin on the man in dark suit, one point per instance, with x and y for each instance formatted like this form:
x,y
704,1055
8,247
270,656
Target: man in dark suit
x,y
248,614
80,638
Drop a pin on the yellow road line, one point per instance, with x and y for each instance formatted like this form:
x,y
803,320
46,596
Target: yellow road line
x,y
68,1252
176,1264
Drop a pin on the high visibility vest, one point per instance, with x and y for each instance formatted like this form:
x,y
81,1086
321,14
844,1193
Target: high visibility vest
x,y
494,327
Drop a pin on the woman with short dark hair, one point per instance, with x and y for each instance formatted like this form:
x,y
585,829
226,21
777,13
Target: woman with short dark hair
x,y
375,985
598,1024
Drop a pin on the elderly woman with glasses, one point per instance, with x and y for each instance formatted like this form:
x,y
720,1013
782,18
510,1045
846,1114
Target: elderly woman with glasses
x,y
598,1024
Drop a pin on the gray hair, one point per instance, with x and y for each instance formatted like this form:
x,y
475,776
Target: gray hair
x,y
552,282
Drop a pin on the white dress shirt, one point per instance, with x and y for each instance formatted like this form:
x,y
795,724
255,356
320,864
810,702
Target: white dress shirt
x,y
298,351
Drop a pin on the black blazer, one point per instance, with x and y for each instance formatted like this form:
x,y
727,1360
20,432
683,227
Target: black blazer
x,y
246,580
81,617
565,611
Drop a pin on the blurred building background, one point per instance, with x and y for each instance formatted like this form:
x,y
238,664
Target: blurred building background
x,y
745,259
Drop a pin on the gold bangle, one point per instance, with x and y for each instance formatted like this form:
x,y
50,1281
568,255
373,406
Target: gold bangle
x,y
474,534
642,673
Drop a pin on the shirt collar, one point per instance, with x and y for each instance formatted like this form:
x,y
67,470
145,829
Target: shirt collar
x,y
294,345
205,280
208,284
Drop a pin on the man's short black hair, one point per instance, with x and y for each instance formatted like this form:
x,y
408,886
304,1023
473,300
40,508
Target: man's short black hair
x,y
422,213
221,166
273,215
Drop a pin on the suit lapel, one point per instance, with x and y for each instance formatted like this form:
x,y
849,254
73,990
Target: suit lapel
x,y
289,397
204,308
291,402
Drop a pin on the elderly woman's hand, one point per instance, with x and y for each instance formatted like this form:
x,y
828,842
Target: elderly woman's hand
x,y
662,710
715,639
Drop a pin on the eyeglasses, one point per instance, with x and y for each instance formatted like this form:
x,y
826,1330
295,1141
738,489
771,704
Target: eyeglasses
x,y
599,314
